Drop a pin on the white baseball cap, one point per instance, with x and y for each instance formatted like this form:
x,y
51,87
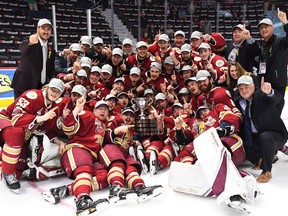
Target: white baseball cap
x,y
75,47
141,44
85,39
79,89
247,80
122,93
44,21
160,96
95,69
186,67
119,79
107,68
184,90
148,91
204,46
196,34
82,73
117,51
189,79
127,41
156,65
202,75
168,60
186,48
100,103
239,26
135,70
56,83
177,104
128,109
109,96
85,62
97,40
164,37
179,32
265,21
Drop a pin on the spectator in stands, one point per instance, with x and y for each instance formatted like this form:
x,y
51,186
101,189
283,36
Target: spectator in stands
x,y
152,31
146,38
182,14
65,59
273,59
206,26
36,66
169,30
243,48
263,131
144,22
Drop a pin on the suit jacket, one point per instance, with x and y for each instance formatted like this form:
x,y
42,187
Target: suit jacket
x,y
28,74
264,113
61,65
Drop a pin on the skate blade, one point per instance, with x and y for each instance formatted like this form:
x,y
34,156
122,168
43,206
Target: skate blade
x,y
100,207
239,208
130,198
48,197
156,192
15,191
86,212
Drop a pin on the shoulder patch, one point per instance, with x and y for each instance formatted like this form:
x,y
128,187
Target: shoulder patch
x,y
219,63
31,95
197,58
59,100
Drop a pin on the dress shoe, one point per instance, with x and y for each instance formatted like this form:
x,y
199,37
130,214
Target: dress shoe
x,y
264,177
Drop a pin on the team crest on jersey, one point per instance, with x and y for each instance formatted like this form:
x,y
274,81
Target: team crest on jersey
x,y
31,95
210,121
197,59
219,63
99,127
59,100
22,102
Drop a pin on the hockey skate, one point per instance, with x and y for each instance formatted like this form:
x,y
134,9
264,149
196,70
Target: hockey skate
x,y
86,206
11,182
55,194
142,159
120,195
154,164
144,193
237,203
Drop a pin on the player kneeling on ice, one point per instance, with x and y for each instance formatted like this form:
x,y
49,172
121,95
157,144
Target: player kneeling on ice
x,y
214,174
121,165
33,111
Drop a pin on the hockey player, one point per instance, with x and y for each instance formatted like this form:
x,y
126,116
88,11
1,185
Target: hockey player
x,y
122,166
33,110
79,160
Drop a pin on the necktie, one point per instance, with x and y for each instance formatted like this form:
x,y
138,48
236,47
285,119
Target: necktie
x,y
247,124
43,72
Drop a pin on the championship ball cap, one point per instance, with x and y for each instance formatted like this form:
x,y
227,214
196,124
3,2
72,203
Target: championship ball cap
x,y
85,62
160,96
204,46
79,89
184,90
148,91
127,41
164,37
109,96
44,21
177,104
135,70
168,60
239,26
201,108
196,34
265,21
95,69
141,44
128,109
107,68
156,65
202,75
85,39
186,67
247,80
101,103
75,47
186,48
56,83
82,73
179,32
192,79
117,51
122,93
98,40
119,79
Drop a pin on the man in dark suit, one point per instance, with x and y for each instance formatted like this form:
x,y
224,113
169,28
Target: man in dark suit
x,y
263,131
36,67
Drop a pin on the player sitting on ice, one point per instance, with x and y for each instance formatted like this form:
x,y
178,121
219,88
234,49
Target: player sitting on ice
x,y
211,170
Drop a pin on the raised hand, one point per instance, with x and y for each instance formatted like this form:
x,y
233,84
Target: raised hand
x,y
65,112
123,129
33,39
282,16
48,115
265,86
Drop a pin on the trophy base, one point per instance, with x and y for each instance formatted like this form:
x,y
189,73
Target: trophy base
x,y
145,126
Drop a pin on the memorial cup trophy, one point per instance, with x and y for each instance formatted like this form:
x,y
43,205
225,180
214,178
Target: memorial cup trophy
x,y
143,125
